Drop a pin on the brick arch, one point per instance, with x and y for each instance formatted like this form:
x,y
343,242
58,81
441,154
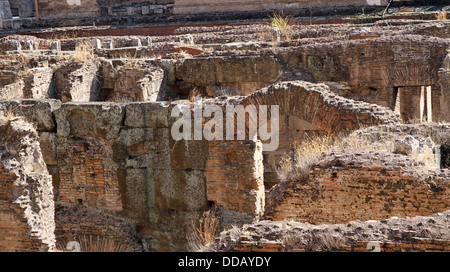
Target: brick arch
x,y
317,105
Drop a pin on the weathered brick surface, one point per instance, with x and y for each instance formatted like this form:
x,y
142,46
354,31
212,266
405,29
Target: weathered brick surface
x,y
94,230
373,67
360,186
121,159
230,184
321,107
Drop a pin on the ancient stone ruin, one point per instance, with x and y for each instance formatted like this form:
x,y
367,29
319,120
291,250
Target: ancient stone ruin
x,y
89,161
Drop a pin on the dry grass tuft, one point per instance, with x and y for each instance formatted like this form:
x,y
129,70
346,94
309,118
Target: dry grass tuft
x,y
441,15
204,231
297,164
283,24
330,242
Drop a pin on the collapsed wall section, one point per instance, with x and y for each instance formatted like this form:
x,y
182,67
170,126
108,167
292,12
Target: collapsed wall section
x,y
121,161
27,215
379,68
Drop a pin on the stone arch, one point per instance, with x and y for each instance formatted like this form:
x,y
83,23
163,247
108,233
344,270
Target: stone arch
x,y
317,105
313,108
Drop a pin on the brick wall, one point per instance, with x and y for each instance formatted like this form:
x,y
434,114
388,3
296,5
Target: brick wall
x,y
360,186
132,82
121,159
234,180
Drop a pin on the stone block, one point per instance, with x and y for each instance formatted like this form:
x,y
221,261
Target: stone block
x,y
108,44
136,193
147,41
178,189
38,112
16,24
130,11
136,42
147,114
102,120
30,45
145,10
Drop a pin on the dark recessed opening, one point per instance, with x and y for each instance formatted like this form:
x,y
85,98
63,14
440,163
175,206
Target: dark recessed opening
x,y
210,204
445,155
80,201
334,175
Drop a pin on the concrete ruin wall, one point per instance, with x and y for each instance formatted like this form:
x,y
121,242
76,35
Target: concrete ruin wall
x,y
195,6
26,201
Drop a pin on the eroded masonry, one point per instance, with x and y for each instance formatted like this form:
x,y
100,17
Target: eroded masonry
x,y
86,152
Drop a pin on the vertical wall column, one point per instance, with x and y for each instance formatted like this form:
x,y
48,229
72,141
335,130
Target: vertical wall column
x,y
414,103
426,112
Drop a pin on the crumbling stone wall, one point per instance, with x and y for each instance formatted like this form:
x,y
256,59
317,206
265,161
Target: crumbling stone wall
x,y
410,234
321,112
121,160
228,75
373,67
26,199
132,81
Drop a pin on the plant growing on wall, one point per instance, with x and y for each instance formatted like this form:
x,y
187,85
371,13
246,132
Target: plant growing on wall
x,y
283,24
